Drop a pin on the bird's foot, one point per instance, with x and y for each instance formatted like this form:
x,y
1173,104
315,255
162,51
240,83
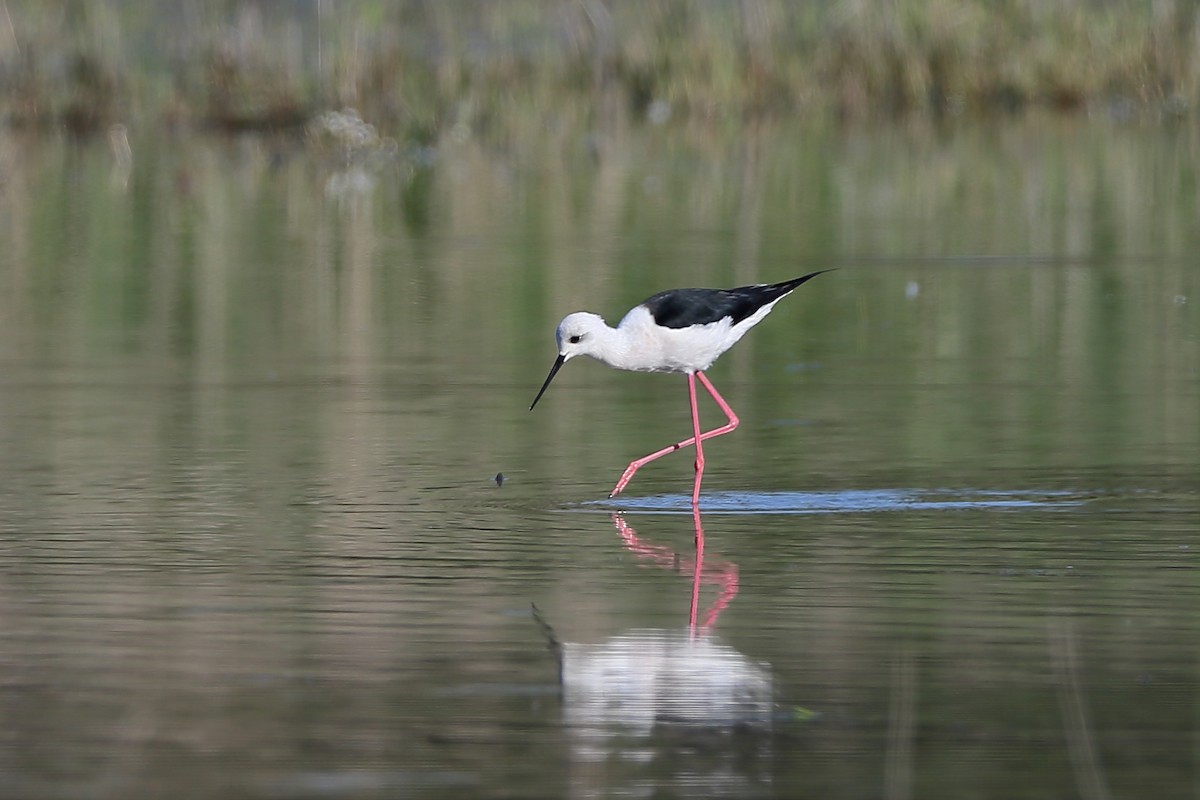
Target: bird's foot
x,y
626,477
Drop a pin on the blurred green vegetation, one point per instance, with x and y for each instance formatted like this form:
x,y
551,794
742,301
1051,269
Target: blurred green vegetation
x,y
1009,296
418,69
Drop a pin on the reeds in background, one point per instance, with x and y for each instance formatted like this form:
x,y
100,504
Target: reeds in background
x,y
417,68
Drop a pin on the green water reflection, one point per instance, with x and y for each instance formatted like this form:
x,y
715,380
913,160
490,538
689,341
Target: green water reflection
x,y
252,403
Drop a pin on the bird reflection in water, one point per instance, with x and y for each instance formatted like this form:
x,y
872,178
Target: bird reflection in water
x,y
673,709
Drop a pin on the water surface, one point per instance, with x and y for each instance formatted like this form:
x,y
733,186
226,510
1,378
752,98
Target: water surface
x,y
253,406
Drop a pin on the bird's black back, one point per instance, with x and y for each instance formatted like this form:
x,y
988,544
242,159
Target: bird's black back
x,y
681,308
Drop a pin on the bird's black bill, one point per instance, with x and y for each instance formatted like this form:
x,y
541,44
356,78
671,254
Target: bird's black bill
x,y
553,371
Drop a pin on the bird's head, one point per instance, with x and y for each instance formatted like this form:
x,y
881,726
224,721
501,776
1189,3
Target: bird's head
x,y
576,336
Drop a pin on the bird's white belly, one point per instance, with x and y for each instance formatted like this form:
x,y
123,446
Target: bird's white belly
x,y
680,349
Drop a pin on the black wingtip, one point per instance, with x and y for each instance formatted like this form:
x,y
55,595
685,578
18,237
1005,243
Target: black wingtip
x,y
794,282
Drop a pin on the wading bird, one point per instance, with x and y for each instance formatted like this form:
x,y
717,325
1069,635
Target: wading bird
x,y
679,330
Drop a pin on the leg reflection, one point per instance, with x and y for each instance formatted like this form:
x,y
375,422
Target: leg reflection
x,y
716,572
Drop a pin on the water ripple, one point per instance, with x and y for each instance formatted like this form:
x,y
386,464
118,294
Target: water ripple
x,y
852,501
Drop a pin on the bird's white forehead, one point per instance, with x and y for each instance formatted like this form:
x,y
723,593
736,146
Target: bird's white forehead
x,y
577,323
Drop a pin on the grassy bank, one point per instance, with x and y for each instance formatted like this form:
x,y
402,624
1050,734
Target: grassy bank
x,y
418,69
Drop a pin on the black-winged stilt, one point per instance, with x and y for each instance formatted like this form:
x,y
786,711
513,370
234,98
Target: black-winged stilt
x,y
679,330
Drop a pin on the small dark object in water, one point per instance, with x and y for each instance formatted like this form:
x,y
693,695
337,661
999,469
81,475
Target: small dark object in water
x,y
499,478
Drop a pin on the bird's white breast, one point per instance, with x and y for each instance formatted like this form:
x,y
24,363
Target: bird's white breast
x,y
647,347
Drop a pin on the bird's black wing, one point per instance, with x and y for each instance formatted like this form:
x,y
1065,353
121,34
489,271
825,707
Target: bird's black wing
x,y
682,308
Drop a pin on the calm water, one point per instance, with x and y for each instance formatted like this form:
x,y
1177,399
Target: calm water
x,y
253,405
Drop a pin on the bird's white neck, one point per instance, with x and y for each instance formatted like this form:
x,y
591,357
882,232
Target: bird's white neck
x,y
637,344
611,346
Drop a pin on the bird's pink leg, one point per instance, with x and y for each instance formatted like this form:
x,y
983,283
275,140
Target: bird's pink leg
x,y
698,438
697,571
634,466
733,419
